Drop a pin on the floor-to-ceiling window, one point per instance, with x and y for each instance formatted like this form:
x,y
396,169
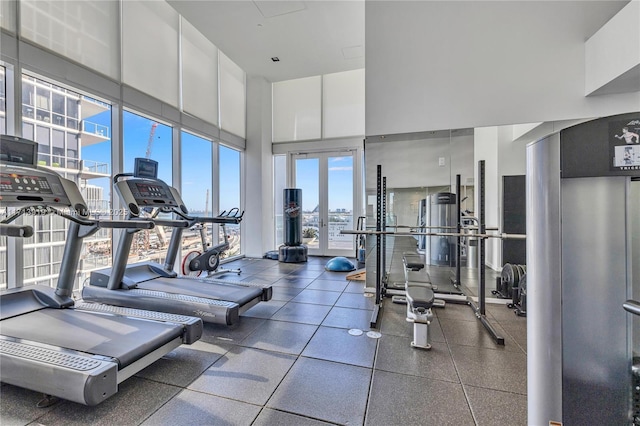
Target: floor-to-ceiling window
x,y
279,184
3,130
73,132
197,177
146,138
229,194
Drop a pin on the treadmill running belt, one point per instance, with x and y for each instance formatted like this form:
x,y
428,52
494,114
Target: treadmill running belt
x,y
121,338
190,287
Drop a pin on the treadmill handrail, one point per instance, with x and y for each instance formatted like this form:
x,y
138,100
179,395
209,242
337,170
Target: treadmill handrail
x,y
15,231
46,210
632,306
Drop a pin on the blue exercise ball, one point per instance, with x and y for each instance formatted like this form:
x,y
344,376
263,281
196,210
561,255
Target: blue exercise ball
x,y
339,264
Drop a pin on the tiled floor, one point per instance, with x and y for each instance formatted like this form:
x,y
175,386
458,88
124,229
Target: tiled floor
x,y
292,361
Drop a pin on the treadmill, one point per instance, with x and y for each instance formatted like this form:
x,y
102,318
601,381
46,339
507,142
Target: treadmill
x,y
149,285
49,344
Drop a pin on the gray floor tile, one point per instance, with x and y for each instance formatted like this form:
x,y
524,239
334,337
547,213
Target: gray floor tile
x,y
334,275
245,374
281,336
285,267
454,311
194,408
492,407
183,365
473,333
264,309
329,285
18,405
269,417
348,318
293,282
260,278
317,297
136,399
503,314
518,333
336,344
356,301
355,287
285,294
218,333
324,390
395,354
432,402
302,312
306,273
394,322
490,368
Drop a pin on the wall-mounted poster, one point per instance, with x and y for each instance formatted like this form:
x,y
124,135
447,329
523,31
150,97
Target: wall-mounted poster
x,y
624,144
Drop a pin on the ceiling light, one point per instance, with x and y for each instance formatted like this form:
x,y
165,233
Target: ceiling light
x,y
275,59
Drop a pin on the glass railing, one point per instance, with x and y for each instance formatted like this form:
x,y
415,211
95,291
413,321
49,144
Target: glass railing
x,y
65,162
95,129
95,167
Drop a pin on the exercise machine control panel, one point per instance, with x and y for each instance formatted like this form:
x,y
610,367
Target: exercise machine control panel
x,y
13,182
20,185
149,193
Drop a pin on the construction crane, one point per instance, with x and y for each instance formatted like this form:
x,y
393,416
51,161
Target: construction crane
x,y
150,141
143,240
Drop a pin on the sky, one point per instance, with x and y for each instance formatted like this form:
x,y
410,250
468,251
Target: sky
x,y
340,181
196,160
197,166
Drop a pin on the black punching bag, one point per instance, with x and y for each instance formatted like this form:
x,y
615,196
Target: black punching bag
x,y
292,217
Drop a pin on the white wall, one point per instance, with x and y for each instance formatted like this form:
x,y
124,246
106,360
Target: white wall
x,y
503,157
486,148
415,163
453,64
258,235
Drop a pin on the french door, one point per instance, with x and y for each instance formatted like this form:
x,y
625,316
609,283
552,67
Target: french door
x,y
327,180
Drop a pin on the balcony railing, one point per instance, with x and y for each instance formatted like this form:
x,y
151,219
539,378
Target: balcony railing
x,y
53,160
95,129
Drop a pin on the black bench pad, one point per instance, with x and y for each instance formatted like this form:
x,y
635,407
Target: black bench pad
x,y
413,261
420,297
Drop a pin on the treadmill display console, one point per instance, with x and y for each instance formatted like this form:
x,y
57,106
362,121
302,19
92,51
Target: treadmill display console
x,y
151,194
24,184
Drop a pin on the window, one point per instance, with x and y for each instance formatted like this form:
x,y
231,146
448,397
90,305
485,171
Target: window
x,y
229,194
3,130
279,184
146,138
197,175
83,157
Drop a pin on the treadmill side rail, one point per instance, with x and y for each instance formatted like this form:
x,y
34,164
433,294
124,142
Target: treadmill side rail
x,y
66,374
210,310
192,326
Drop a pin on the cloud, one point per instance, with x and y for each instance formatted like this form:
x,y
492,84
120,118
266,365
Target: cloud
x,y
340,168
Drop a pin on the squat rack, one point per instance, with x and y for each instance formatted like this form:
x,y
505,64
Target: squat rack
x,y
482,235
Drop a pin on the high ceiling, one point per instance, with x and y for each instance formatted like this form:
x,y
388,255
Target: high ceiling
x,y
316,37
309,37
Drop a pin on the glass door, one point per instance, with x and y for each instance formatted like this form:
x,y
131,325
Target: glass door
x,y
327,183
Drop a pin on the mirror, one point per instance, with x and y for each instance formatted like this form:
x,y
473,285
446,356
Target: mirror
x,y
418,165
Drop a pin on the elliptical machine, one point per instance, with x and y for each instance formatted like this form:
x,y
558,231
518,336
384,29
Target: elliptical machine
x,y
196,262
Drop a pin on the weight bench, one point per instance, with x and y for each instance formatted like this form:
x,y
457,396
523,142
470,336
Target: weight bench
x,y
420,298
413,275
419,302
